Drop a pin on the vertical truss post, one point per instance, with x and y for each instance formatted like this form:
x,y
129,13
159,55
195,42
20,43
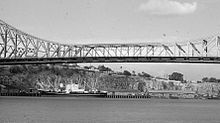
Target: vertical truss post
x,y
16,45
218,45
91,50
128,50
48,50
5,40
58,50
153,51
134,48
70,51
116,51
81,51
26,46
121,51
146,50
84,51
188,49
205,48
103,51
37,48
94,51
140,50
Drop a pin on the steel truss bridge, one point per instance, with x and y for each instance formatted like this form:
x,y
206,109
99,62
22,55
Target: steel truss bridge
x,y
18,47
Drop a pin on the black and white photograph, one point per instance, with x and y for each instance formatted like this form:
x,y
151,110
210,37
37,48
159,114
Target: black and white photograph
x,y
109,61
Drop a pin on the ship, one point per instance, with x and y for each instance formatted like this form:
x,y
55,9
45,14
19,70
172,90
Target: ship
x,y
73,90
74,94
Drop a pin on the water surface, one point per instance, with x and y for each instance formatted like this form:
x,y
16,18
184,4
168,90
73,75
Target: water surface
x,y
100,110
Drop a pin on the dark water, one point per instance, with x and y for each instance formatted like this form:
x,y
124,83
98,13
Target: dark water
x,y
97,110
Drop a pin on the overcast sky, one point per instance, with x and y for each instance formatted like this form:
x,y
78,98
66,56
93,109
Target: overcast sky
x,y
120,21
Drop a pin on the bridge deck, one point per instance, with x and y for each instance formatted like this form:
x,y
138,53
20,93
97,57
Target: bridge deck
x,y
14,61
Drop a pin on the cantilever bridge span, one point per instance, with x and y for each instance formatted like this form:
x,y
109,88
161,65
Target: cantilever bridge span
x,y
17,47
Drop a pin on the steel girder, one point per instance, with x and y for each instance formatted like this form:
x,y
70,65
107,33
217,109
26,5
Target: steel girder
x,y
17,44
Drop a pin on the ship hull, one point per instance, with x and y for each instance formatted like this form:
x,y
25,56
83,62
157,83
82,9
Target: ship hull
x,y
73,94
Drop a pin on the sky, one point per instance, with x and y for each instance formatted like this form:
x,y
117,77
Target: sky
x,y
120,21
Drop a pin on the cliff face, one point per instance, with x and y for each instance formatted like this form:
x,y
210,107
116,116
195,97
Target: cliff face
x,y
39,77
204,88
50,78
117,82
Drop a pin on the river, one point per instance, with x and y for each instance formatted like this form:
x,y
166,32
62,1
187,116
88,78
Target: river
x,y
105,110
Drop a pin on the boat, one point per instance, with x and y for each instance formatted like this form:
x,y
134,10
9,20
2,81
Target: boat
x,y
52,93
74,94
73,90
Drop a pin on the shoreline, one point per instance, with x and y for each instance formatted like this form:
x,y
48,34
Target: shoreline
x,y
108,96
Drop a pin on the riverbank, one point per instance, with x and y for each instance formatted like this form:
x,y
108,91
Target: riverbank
x,y
64,79
152,96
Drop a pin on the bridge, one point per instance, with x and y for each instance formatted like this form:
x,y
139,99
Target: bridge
x,y
18,47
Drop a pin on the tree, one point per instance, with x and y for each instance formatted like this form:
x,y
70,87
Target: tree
x,y
133,73
141,86
103,68
184,81
86,67
16,69
146,74
212,79
205,79
143,74
176,76
126,73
